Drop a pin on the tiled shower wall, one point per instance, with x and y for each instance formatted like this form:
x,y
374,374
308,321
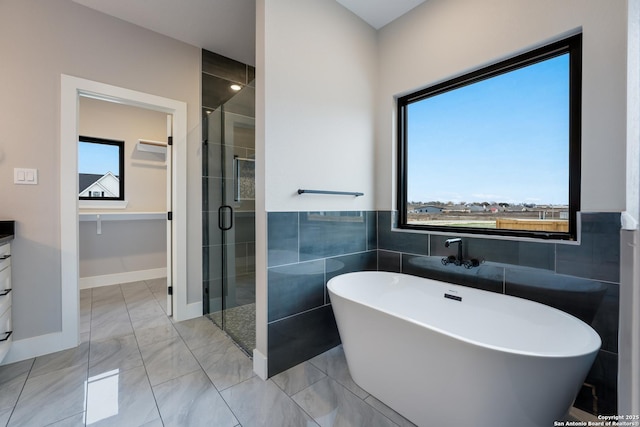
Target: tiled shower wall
x,y
306,249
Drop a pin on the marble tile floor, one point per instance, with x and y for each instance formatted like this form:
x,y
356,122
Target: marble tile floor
x,y
135,367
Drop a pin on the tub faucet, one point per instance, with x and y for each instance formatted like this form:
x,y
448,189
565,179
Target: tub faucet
x,y
457,240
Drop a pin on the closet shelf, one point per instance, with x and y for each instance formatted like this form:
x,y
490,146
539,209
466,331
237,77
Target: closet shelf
x,y
120,216
151,146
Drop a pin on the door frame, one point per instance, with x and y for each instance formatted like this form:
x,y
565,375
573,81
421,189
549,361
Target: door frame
x,y
169,207
71,89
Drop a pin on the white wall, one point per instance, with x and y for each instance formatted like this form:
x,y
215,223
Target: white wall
x,y
39,41
445,38
315,108
320,85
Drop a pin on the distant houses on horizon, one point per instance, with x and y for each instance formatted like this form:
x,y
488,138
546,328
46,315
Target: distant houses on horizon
x,y
436,208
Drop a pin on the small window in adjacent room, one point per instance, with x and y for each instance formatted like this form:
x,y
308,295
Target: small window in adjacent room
x,y
100,169
495,151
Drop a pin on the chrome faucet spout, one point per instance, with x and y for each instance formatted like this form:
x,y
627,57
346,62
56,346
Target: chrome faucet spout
x,y
457,240
450,241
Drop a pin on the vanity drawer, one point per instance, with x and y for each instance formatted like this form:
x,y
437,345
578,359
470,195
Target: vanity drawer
x,y
5,279
5,256
5,299
6,333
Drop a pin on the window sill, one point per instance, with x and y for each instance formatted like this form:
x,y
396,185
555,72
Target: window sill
x,y
456,233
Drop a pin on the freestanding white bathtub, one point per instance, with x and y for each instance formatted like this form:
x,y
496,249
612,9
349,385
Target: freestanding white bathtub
x,y
448,355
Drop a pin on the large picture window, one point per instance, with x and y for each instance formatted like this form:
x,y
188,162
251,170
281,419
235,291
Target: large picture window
x,y
495,151
100,169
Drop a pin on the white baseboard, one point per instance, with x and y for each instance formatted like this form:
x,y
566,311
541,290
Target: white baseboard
x,y
260,364
117,278
37,346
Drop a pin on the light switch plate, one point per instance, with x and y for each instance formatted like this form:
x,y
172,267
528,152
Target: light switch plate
x,y
25,176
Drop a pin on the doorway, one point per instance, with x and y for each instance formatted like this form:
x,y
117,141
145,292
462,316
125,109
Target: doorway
x,y
124,235
71,89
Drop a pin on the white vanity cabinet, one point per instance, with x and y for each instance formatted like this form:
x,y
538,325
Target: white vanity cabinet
x,y
6,329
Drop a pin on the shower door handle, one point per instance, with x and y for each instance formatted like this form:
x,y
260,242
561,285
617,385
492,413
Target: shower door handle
x,y
221,222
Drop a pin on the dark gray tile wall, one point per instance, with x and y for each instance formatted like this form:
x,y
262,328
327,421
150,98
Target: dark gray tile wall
x,y
389,261
218,72
295,288
304,251
486,277
598,256
282,238
295,339
325,234
227,68
582,280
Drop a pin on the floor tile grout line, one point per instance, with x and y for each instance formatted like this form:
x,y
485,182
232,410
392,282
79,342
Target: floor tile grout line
x,y
377,410
316,381
318,367
144,365
211,381
67,418
191,350
153,393
15,405
33,361
160,303
225,400
202,370
364,400
143,362
152,298
349,391
300,406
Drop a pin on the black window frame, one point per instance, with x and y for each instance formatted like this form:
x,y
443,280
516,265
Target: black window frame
x,y
571,45
120,145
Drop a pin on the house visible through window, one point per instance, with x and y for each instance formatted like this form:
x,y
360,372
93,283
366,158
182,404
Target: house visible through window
x,y
100,169
496,151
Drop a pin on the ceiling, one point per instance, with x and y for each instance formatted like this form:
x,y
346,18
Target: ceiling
x,y
226,27
379,13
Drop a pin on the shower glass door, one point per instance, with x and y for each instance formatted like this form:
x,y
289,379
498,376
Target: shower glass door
x,y
229,219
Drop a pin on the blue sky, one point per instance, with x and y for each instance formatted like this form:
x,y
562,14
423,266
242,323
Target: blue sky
x,y
505,139
97,158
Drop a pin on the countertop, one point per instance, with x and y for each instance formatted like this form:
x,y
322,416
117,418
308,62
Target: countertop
x,y
7,231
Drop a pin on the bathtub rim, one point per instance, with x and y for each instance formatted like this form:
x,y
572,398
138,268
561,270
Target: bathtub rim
x,y
331,289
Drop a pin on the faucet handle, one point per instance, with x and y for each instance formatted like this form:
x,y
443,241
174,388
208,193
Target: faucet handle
x,y
470,263
448,260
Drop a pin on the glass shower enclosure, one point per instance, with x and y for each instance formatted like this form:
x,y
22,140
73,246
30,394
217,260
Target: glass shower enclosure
x,y
228,153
